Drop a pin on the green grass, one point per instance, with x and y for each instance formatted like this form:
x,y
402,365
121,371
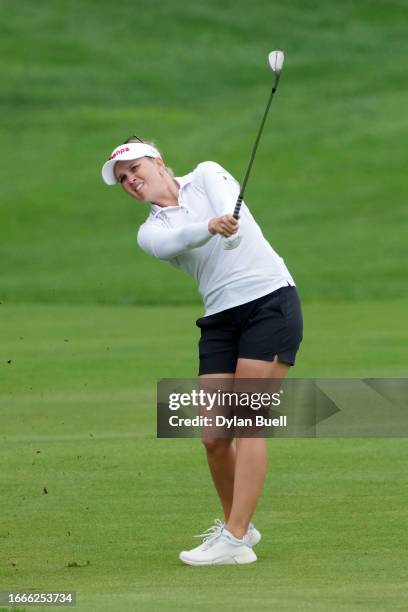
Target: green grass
x,y
78,418
78,396
328,185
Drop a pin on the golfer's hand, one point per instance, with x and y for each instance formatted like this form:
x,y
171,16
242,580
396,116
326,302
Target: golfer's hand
x,y
226,225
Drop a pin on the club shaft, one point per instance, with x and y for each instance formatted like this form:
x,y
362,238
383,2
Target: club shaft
x,y
251,161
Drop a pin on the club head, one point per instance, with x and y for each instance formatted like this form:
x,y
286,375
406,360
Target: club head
x,y
276,59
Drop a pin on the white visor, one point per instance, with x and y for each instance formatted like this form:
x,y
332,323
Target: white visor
x,y
132,150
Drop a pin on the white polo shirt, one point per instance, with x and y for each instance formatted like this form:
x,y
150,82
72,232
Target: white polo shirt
x,y
179,235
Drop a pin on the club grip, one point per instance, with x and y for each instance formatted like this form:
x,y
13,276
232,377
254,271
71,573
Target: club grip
x,y
237,208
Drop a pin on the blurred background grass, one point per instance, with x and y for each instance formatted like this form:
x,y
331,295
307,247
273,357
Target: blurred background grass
x,y
328,186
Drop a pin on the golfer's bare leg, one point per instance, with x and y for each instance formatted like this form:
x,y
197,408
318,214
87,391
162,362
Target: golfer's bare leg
x,y
251,455
221,461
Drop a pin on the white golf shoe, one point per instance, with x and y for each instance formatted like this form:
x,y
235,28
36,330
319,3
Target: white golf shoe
x,y
252,536
219,547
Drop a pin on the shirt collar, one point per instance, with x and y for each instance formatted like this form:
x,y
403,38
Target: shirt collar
x,y
182,181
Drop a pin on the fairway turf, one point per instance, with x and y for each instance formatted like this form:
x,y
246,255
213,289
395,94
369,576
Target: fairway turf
x,y
328,185
78,418
83,478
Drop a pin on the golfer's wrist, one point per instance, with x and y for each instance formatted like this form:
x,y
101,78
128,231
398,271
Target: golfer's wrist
x,y
212,226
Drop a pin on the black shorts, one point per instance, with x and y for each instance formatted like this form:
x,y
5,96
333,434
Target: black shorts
x,y
262,329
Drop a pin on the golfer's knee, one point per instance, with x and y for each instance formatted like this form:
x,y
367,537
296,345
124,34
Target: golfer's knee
x,y
216,445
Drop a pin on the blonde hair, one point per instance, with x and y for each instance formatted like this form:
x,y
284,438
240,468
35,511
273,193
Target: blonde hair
x,y
152,144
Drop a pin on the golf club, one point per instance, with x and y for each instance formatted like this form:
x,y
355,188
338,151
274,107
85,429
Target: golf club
x,y
276,59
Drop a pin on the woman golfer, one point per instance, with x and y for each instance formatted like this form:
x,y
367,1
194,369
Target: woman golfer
x,y
252,326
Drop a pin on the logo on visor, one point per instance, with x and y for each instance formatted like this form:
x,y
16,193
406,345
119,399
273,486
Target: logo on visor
x,y
116,153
